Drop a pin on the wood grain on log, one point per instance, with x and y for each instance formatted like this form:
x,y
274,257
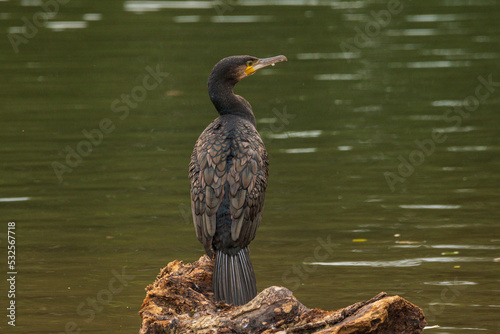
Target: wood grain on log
x,y
181,301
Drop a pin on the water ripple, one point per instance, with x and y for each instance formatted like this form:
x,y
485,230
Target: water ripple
x,y
241,18
153,6
467,148
430,206
300,150
450,283
338,76
456,129
333,55
432,64
187,18
63,25
295,134
447,103
440,17
14,199
401,263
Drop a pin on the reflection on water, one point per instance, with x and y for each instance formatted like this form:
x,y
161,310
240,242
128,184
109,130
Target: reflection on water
x,y
295,134
14,199
344,76
432,64
149,6
187,19
241,19
402,263
440,17
467,148
63,25
334,55
350,124
429,206
92,17
300,150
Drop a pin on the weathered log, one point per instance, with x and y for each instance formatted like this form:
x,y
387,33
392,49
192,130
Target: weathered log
x,y
181,301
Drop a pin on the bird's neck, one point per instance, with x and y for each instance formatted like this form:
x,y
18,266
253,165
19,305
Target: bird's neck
x,y
226,102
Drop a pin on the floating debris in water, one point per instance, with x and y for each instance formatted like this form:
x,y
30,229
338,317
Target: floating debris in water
x,y
407,242
359,240
431,327
450,253
173,92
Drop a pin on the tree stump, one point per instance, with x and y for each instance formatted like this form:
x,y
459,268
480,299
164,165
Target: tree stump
x,y
181,300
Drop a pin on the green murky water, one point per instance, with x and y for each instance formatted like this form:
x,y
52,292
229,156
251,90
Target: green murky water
x,y
382,131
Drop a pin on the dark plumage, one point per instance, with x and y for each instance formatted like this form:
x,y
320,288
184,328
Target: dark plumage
x,y
228,173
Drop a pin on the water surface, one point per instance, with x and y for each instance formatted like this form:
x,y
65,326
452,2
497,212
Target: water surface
x,y
382,133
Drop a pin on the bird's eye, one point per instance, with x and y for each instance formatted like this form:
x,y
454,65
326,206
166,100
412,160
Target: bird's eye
x,y
249,63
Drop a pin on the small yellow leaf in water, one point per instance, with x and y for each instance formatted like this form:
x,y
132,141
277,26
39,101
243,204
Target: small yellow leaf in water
x,y
407,242
450,253
359,240
397,235
173,92
456,267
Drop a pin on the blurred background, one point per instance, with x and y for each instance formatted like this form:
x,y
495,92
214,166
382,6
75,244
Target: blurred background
x,y
382,130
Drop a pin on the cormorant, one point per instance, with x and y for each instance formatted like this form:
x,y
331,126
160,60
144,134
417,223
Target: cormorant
x,y
228,174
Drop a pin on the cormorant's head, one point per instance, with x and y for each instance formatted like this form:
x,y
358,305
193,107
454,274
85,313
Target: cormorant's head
x,y
235,68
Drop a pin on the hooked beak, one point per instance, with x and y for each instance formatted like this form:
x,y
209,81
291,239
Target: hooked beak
x,y
263,63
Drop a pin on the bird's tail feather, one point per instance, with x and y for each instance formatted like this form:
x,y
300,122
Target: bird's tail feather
x,y
233,278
